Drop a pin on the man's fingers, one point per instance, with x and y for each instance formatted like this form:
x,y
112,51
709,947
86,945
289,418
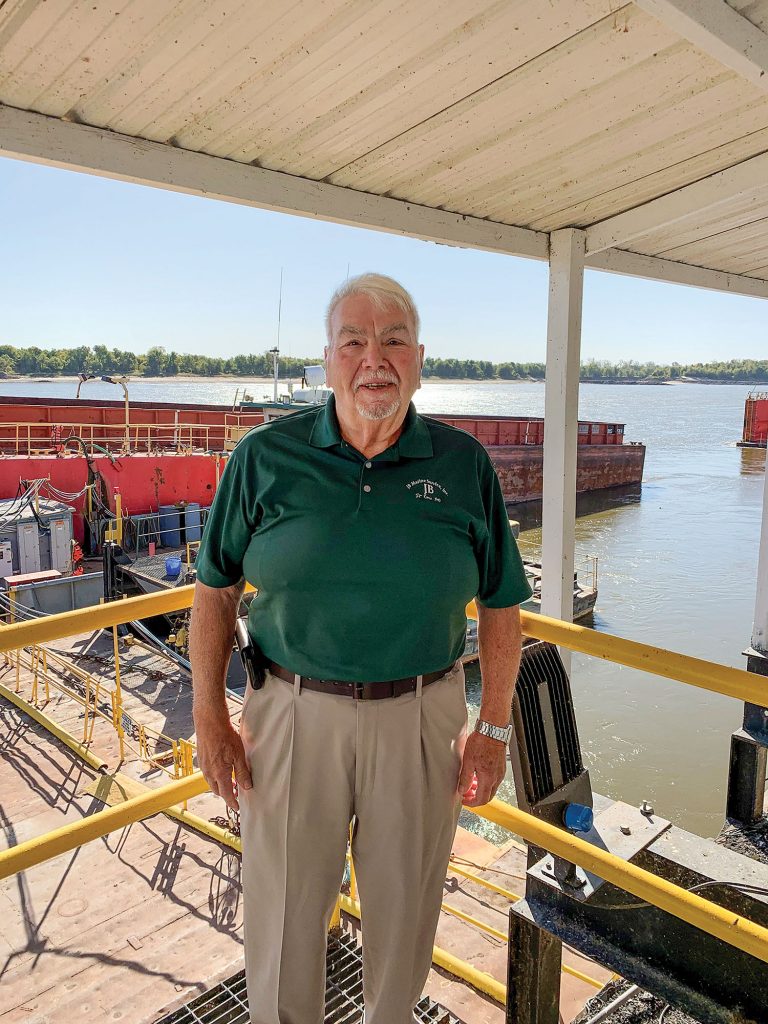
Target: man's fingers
x,y
225,788
242,771
466,776
483,790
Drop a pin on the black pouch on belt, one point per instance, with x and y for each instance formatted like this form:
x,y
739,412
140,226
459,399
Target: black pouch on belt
x,y
253,658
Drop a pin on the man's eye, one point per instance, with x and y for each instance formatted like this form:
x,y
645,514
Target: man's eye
x,y
395,341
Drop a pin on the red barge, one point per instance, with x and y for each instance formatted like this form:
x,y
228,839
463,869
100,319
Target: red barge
x,y
755,432
170,453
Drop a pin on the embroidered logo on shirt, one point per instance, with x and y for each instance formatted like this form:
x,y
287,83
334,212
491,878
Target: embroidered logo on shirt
x,y
427,490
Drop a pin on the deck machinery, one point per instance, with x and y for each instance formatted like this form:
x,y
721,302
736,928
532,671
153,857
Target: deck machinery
x,y
694,972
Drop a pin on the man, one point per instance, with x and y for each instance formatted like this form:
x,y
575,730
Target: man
x,y
366,529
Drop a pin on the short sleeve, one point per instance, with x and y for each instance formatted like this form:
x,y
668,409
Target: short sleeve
x,y
230,524
503,582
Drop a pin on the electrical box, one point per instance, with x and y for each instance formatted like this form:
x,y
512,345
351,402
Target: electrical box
x,y
39,535
28,537
6,559
60,543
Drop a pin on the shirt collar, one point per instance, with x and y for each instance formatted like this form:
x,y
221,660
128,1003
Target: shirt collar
x,y
414,442
325,432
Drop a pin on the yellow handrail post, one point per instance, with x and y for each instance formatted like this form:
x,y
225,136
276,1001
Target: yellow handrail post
x,y
86,707
335,921
118,694
352,876
33,668
96,696
45,675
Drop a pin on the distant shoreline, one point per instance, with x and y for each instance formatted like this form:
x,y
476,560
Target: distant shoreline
x,y
284,381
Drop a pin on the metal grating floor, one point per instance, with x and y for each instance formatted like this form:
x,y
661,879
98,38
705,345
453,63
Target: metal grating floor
x,y
227,1003
152,568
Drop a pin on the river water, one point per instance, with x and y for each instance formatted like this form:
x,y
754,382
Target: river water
x,y
677,568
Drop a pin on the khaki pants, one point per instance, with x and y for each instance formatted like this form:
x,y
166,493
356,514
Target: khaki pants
x,y
316,760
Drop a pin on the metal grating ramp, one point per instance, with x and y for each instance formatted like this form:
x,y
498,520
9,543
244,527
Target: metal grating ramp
x,y
227,1003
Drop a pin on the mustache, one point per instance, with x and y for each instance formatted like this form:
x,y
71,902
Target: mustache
x,y
377,377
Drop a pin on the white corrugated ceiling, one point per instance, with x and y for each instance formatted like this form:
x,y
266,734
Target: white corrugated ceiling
x,y
523,113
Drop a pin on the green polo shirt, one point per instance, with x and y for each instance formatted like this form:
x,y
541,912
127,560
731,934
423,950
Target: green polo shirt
x,y
363,566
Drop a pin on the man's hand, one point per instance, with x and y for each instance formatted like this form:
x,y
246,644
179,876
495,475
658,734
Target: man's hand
x,y
220,755
219,747
482,769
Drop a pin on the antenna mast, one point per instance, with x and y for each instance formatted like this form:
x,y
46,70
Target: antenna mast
x,y
279,318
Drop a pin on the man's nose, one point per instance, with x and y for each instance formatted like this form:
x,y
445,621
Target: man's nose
x,y
375,355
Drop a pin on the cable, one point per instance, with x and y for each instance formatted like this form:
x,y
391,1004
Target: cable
x,y
744,888
614,1004
485,867
65,495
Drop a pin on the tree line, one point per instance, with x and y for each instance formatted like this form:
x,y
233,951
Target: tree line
x,y
158,362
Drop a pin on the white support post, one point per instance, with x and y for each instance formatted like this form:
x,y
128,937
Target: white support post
x,y
561,416
760,628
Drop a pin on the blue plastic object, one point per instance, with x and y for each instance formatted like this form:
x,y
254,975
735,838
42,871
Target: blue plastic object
x,y
172,565
578,818
192,520
170,526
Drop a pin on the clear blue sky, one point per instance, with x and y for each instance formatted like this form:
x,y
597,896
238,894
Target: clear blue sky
x,y
87,261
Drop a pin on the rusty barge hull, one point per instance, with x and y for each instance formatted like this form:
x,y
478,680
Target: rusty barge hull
x,y
598,467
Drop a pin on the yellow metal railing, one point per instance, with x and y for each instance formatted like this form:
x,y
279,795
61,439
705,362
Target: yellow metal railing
x,y
45,438
731,928
54,672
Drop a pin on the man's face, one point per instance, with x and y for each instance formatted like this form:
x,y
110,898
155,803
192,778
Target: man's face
x,y
373,362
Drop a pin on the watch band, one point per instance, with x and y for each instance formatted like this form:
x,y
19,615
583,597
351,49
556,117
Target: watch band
x,y
495,732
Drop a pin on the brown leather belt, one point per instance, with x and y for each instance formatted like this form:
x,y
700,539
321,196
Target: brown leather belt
x,y
360,691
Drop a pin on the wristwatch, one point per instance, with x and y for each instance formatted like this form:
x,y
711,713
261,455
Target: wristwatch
x,y
495,732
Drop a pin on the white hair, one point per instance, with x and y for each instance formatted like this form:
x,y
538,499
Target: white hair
x,y
381,290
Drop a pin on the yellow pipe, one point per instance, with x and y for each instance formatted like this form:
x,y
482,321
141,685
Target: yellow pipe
x,y
490,930
688,906
566,969
468,919
207,828
707,675
56,730
69,837
458,968
513,896
102,616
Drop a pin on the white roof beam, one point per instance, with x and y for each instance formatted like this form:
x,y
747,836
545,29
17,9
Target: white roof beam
x,y
721,187
716,28
632,264
57,143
